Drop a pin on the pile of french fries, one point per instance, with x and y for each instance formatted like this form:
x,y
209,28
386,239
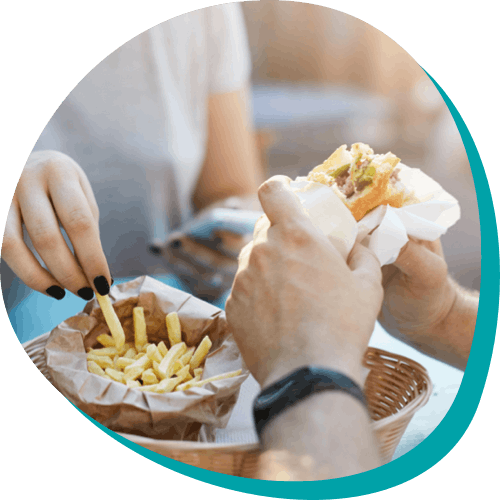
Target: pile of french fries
x,y
146,366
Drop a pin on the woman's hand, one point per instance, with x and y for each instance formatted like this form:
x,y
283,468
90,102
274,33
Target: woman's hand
x,y
54,190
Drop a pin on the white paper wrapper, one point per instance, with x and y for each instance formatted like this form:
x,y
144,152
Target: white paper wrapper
x,y
327,213
384,230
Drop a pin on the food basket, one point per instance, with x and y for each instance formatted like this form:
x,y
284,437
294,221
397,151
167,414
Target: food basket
x,y
395,388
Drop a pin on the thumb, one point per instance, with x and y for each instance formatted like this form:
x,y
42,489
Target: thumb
x,y
419,263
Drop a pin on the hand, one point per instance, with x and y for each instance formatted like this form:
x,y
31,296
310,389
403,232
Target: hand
x,y
295,301
418,291
53,189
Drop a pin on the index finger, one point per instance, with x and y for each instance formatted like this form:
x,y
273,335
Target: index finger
x,y
279,202
75,214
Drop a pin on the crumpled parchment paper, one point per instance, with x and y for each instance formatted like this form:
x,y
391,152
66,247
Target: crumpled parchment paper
x,y
178,415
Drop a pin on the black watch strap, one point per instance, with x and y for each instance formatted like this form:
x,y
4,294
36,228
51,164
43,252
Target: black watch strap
x,y
299,385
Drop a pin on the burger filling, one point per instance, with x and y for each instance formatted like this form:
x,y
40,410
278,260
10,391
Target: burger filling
x,y
353,178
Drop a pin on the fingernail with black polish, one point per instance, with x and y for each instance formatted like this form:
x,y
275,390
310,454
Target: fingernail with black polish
x,y
112,280
56,291
101,285
86,293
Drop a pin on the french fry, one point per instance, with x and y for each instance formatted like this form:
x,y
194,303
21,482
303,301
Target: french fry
x,y
187,385
139,355
167,363
107,376
153,353
222,376
141,337
143,362
198,371
133,383
163,349
148,377
186,358
144,348
149,388
134,373
114,374
115,359
130,353
156,369
103,361
112,320
93,367
104,351
169,384
173,328
201,352
124,349
177,366
122,363
106,340
183,374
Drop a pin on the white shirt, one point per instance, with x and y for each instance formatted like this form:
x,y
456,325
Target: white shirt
x,y
137,125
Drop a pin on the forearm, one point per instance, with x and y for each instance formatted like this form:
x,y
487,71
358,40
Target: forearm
x,y
232,166
324,436
450,340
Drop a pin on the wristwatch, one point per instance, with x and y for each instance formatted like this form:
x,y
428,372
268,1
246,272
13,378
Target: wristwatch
x,y
297,386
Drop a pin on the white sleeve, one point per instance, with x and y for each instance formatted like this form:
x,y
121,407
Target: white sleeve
x,y
228,51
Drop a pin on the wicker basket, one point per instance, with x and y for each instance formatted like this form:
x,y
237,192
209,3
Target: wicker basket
x,y
395,388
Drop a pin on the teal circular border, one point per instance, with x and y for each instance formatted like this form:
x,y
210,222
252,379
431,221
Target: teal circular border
x,y
455,423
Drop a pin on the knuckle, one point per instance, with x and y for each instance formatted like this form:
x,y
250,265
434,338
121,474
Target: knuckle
x,y
79,222
295,234
44,239
259,257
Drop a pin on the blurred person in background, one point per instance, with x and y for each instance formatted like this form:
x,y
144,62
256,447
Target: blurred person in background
x,y
161,130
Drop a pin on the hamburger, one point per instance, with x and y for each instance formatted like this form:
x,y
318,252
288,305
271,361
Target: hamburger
x,y
363,180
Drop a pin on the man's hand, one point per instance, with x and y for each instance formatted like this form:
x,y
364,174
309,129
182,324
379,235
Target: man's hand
x,y
424,307
418,293
54,190
295,301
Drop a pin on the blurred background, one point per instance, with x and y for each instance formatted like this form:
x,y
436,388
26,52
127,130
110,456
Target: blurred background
x,y
322,79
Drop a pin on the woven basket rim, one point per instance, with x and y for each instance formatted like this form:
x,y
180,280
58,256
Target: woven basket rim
x,y
192,446
420,401
405,413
